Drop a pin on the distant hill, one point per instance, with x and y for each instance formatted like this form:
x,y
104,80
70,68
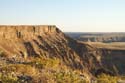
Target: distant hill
x,y
98,37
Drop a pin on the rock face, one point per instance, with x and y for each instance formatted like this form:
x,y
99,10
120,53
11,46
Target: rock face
x,y
16,39
113,59
36,41
14,32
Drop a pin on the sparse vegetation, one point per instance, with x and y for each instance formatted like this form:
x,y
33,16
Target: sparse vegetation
x,y
103,78
44,70
2,54
8,78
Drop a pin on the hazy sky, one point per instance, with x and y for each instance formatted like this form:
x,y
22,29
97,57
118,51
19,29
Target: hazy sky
x,y
68,15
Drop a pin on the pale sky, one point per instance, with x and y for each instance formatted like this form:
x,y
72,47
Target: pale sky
x,y
68,15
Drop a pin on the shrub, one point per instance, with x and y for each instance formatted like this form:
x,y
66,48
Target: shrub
x,y
8,78
2,54
45,62
69,77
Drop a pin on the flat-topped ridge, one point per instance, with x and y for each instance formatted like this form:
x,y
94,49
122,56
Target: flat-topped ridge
x,y
21,31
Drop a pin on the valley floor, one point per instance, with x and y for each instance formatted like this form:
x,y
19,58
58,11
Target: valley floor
x,y
112,45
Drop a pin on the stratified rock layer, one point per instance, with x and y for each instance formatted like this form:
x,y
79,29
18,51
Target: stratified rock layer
x,y
15,32
36,41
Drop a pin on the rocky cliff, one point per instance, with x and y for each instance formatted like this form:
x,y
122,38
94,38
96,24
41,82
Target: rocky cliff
x,y
113,59
36,41
14,32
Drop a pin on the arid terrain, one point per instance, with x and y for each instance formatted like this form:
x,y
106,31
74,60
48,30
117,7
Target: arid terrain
x,y
98,37
44,54
111,46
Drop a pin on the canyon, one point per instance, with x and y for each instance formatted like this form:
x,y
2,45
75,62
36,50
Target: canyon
x,y
25,41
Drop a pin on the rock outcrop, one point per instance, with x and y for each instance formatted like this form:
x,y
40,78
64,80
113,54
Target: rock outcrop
x,y
113,59
36,41
14,32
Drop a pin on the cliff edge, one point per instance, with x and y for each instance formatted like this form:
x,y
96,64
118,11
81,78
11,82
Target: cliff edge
x,y
26,31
